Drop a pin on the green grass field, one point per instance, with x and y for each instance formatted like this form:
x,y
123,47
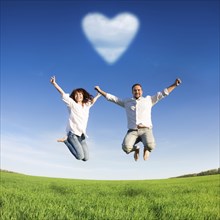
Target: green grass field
x,y
26,197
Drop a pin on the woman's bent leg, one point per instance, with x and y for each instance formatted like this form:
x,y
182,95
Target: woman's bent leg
x,y
74,145
84,148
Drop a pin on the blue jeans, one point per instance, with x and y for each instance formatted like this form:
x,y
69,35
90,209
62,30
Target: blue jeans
x,y
77,146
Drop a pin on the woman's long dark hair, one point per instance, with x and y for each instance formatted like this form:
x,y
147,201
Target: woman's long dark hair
x,y
86,96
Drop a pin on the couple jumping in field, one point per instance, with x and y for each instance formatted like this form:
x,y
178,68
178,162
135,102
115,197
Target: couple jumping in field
x,y
138,111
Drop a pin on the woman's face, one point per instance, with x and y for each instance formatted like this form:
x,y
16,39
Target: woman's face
x,y
79,97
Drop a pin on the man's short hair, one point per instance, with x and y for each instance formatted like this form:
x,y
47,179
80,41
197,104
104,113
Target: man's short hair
x,y
136,84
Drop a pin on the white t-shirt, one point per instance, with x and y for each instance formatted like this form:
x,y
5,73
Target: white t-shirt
x,y
78,115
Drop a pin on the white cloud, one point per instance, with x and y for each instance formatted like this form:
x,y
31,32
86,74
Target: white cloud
x,y
110,54
110,37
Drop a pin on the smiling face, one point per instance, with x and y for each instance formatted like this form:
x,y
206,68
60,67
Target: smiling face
x,y
137,91
78,97
81,96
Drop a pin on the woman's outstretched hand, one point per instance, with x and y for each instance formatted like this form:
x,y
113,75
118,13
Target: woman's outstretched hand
x,y
53,79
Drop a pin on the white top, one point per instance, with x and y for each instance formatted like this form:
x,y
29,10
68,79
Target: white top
x,y
138,110
78,115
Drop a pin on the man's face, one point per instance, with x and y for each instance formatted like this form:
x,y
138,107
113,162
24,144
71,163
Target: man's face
x,y
137,92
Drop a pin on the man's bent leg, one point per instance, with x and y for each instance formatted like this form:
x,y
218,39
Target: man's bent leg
x,y
128,145
148,141
129,141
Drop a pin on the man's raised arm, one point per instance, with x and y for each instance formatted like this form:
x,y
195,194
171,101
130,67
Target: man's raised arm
x,y
174,85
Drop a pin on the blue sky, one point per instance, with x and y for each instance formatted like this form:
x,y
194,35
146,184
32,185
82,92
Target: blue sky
x,y
174,39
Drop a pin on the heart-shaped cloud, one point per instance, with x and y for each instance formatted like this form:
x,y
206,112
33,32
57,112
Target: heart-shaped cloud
x,y
110,37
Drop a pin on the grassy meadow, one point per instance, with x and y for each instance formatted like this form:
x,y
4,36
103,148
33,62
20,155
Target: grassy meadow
x,y
39,198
